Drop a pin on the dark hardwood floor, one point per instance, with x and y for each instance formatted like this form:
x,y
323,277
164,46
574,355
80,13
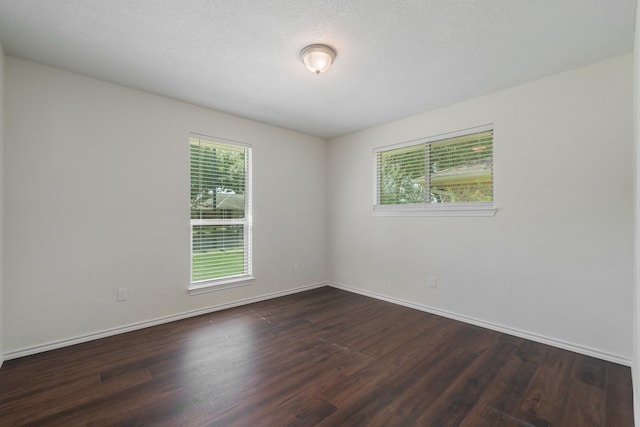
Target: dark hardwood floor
x,y
319,358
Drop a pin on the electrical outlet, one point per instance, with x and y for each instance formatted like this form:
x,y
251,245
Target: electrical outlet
x,y
122,294
432,282
296,268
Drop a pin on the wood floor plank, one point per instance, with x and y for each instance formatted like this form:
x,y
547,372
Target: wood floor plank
x,y
463,393
584,406
534,351
619,393
589,370
547,391
325,357
498,405
417,390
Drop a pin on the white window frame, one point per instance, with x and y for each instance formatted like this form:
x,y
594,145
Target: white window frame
x,y
432,209
247,278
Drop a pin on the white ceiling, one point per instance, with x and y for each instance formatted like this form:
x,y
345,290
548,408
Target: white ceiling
x,y
395,58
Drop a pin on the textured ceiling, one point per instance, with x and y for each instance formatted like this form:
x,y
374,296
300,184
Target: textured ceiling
x,y
395,58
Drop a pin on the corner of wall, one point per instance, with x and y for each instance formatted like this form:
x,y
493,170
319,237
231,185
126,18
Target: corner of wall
x,y
1,202
635,362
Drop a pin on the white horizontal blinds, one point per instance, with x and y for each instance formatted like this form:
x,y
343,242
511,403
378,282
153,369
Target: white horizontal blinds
x,y
218,174
219,210
401,175
461,169
453,168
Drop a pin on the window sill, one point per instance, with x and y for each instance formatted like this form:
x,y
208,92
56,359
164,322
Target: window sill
x,y
437,210
219,285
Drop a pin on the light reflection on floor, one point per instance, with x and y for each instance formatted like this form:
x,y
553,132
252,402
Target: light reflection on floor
x,y
218,363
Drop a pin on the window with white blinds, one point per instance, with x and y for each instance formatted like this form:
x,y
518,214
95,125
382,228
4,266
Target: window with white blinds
x,y
220,213
449,174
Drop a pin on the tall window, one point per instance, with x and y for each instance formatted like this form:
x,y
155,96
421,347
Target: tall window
x,y
445,174
220,213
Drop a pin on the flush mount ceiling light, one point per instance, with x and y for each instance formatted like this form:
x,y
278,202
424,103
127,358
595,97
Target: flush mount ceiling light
x,y
317,57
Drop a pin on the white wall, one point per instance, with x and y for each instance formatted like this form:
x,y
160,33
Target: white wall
x,y
97,180
556,261
635,367
1,202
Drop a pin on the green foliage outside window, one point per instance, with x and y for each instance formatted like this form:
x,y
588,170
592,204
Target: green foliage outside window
x,y
453,170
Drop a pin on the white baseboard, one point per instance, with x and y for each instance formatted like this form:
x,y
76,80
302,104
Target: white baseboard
x,y
493,326
179,316
147,323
